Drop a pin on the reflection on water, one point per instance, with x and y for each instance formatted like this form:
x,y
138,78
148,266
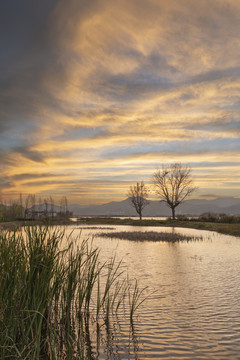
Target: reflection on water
x,y
194,312
101,341
113,340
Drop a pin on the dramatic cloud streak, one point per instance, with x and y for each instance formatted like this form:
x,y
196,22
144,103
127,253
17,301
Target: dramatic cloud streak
x,y
96,94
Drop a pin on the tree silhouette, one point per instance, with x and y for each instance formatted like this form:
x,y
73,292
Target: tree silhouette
x,y
137,196
173,184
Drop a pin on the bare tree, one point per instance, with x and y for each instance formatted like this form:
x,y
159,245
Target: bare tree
x,y
64,206
32,203
51,201
137,196
27,205
46,207
21,208
173,184
40,205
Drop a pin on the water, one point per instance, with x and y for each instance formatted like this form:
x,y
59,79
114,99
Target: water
x,y
194,312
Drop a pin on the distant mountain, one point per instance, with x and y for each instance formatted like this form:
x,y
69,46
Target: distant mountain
x,y
193,207
119,208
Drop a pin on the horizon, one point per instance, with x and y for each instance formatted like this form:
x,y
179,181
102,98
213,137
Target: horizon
x,y
96,96
57,202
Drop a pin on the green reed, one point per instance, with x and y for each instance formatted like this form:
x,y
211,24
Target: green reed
x,y
49,292
136,297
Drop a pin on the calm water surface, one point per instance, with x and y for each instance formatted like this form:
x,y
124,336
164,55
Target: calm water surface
x,y
194,312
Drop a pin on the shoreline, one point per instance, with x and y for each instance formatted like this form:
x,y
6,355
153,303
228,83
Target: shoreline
x,y
220,227
15,224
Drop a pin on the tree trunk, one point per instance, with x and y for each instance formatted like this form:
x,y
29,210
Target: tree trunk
x,y
173,213
140,216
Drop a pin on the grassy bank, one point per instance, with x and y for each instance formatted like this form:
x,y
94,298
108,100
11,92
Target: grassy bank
x,y
221,227
13,224
52,296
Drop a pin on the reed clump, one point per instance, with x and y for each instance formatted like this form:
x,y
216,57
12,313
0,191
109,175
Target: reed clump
x,y
49,292
149,236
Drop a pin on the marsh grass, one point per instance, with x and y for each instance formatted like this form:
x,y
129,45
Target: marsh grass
x,y
149,236
136,298
49,293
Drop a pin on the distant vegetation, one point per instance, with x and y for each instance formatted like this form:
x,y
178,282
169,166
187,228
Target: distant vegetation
x,y
32,208
219,218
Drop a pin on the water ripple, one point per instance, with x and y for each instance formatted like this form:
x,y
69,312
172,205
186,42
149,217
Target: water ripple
x,y
194,312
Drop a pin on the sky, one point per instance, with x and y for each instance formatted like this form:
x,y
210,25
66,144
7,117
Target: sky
x,y
96,95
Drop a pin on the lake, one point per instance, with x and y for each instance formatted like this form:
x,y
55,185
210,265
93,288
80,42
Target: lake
x,y
193,308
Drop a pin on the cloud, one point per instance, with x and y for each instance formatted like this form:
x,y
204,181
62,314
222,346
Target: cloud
x,y
31,155
119,85
5,183
27,176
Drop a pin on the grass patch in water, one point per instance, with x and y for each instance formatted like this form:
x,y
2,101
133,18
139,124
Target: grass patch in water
x,y
149,236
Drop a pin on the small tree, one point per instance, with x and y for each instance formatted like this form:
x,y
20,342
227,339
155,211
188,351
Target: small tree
x,y
64,207
137,196
46,207
173,184
51,203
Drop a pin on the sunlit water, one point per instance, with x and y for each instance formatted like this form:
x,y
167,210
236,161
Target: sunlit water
x,y
194,311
